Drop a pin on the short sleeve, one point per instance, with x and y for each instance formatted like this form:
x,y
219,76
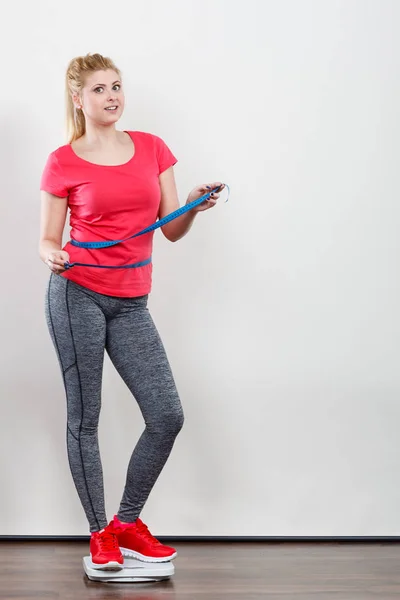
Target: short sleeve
x,y
52,179
164,155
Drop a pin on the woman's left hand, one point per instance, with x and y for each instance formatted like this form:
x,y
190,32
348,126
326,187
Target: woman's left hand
x,y
200,190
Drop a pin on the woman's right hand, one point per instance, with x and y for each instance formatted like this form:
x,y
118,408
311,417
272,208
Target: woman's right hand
x,y
55,261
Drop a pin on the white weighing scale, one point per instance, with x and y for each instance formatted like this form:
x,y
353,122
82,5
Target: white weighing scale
x,y
132,570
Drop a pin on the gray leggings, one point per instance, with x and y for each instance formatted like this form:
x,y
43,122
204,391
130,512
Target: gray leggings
x,y
82,323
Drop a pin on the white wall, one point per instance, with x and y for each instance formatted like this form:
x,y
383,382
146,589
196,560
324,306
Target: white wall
x,y
280,309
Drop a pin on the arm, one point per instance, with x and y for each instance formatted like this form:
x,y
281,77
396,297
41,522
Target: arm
x,y
176,229
52,222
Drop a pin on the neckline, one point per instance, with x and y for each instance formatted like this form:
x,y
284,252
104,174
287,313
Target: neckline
x,y
130,133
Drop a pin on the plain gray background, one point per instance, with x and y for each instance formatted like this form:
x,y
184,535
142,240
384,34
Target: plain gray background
x,y
279,310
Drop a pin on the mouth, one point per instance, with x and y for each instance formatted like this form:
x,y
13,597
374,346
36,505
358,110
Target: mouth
x,y
111,108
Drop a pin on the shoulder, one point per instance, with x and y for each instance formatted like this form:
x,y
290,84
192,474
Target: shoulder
x,y
146,137
143,134
59,153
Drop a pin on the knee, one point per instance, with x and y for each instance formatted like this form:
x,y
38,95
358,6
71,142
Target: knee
x,y
179,420
173,422
79,427
169,424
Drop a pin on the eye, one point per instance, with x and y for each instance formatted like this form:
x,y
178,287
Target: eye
x,y
100,87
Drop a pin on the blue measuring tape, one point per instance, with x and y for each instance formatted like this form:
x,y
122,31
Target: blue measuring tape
x,y
156,225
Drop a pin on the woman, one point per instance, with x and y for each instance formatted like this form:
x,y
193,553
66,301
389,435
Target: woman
x,y
115,183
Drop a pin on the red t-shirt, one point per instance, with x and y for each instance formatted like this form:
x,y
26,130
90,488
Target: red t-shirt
x,y
111,203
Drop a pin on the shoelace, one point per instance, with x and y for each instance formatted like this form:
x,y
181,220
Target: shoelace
x,y
143,530
108,541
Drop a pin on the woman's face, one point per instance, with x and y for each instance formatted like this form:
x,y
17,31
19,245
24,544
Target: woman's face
x,y
102,90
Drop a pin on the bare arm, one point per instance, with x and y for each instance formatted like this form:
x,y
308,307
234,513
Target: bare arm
x,y
176,229
52,222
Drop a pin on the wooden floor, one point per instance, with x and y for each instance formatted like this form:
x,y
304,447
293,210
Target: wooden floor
x,y
211,571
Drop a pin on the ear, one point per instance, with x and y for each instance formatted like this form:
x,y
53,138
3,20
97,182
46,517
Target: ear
x,y
76,100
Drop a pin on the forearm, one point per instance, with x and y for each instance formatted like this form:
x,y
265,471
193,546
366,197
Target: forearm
x,y
47,246
176,229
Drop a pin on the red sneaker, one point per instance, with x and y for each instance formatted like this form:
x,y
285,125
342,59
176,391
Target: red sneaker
x,y
104,550
136,541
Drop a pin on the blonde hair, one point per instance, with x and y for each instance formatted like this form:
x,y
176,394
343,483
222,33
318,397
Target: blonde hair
x,y
74,82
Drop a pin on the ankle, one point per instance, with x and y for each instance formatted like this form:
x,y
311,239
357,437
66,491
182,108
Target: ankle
x,y
126,522
98,532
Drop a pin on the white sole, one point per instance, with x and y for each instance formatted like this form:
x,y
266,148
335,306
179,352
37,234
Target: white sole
x,y
112,565
133,554
133,571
